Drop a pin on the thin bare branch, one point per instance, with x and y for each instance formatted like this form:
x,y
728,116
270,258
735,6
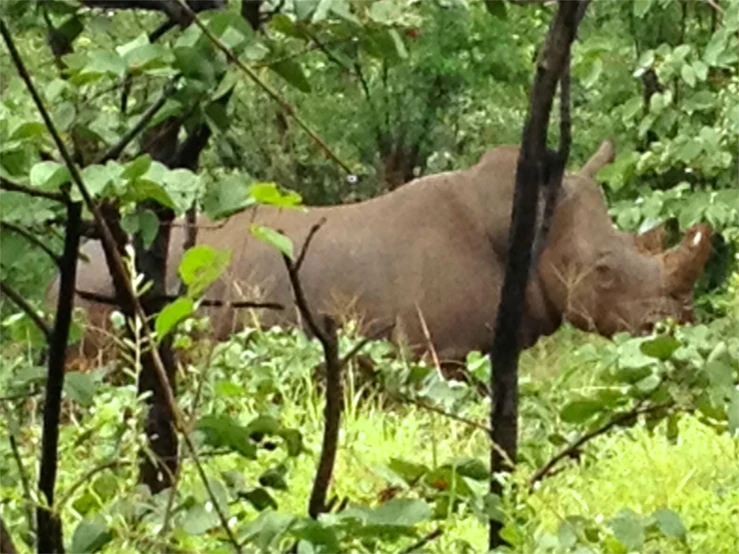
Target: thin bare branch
x,y
423,541
30,237
18,299
112,301
117,149
8,185
572,448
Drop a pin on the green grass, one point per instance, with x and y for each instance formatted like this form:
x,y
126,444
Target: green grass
x,y
697,477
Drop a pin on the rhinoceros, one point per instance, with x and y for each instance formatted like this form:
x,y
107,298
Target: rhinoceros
x,y
425,263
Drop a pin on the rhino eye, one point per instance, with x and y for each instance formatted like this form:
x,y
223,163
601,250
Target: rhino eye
x,y
605,275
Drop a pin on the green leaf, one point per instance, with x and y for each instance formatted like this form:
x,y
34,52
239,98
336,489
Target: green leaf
x,y
105,62
274,239
398,512
136,168
567,535
172,314
701,70
270,194
660,347
144,189
199,519
628,529
292,72
71,29
409,471
227,197
641,7
27,130
64,115
688,74
293,441
496,8
90,536
670,524
316,533
259,498
274,478
224,432
579,411
263,425
321,11
201,266
80,387
194,64
49,175
473,468
700,101
97,177
385,11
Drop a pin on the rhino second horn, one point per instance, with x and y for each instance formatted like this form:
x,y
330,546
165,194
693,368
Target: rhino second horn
x,y
684,263
605,155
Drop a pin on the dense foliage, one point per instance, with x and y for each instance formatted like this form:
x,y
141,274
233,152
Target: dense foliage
x,y
396,89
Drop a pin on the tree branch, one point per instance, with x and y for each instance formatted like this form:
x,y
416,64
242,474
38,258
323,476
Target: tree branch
x,y
8,185
535,168
118,271
329,340
112,301
287,108
576,445
17,299
117,149
30,237
49,523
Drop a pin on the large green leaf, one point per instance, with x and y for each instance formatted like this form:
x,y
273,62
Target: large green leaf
x,y
90,536
227,196
49,175
80,387
628,528
274,239
578,411
660,347
223,432
292,72
172,314
201,266
670,524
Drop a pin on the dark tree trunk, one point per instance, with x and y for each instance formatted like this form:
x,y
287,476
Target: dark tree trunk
x,y
535,168
48,524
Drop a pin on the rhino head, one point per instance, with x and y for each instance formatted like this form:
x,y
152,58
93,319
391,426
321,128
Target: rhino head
x,y
605,280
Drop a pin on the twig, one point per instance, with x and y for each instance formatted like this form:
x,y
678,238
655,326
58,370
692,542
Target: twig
x,y
6,541
715,6
25,481
118,272
86,478
313,230
362,343
574,446
435,534
329,340
49,522
30,237
112,301
423,405
8,185
114,151
26,308
286,107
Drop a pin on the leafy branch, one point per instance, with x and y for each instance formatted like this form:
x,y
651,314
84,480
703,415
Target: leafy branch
x,y
287,108
119,273
575,446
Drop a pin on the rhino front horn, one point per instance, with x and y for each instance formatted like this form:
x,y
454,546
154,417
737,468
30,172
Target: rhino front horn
x,y
605,155
684,263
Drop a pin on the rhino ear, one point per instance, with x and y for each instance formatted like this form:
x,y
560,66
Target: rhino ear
x,y
604,155
652,241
